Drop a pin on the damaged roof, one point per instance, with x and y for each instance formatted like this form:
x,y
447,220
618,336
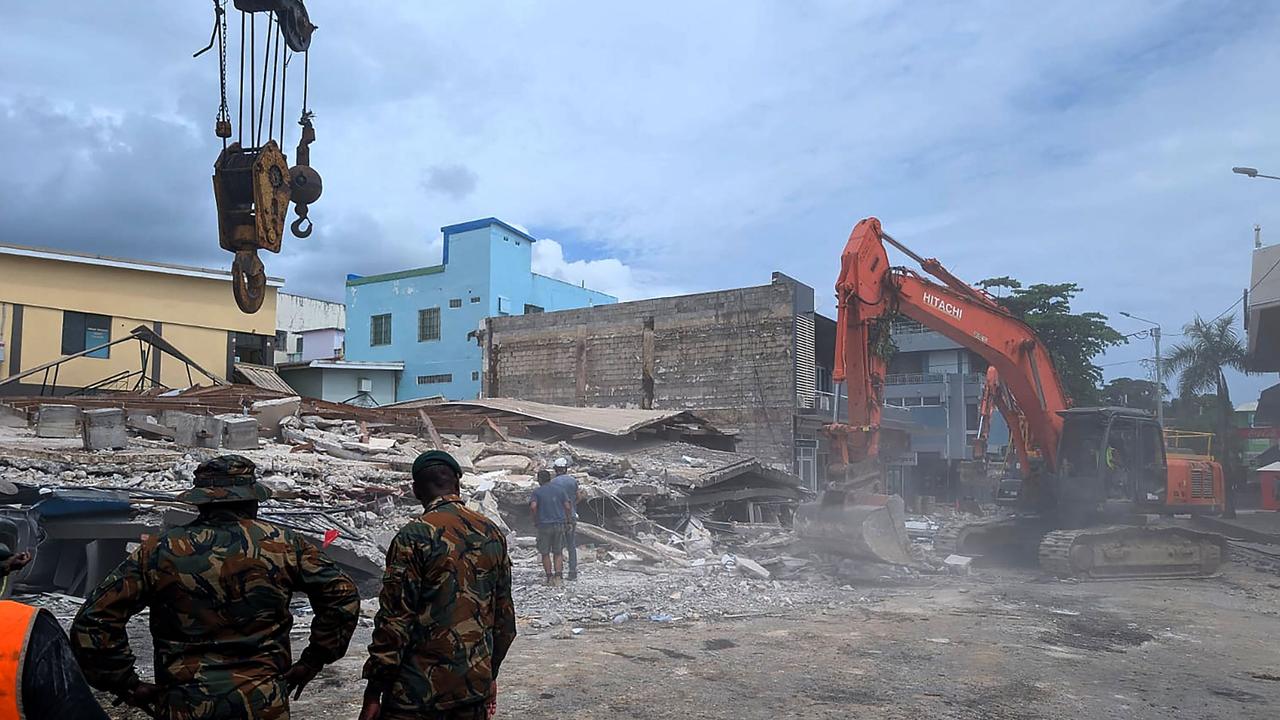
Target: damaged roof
x,y
607,421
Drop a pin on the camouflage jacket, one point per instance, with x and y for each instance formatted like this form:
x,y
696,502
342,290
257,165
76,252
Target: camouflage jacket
x,y
219,591
446,618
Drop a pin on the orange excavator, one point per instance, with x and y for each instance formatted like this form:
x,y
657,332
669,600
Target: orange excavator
x,y
1088,476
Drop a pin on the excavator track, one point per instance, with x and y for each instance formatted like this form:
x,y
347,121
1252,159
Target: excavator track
x,y
1132,551
998,538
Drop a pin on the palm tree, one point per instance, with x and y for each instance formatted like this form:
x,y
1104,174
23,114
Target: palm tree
x,y
1209,348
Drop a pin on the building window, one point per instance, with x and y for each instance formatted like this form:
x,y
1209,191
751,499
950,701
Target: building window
x,y
252,349
299,347
475,300
504,305
455,303
435,379
531,309
81,331
282,340
475,375
428,324
380,330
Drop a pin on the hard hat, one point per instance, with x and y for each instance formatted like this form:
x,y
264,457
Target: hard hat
x,y
562,462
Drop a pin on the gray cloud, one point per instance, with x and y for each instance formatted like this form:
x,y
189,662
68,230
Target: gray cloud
x,y
701,144
454,181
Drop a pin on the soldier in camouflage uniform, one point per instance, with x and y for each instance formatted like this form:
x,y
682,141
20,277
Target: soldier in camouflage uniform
x,y
446,618
219,591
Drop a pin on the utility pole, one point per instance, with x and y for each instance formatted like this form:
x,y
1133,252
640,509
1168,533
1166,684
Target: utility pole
x,y
1155,335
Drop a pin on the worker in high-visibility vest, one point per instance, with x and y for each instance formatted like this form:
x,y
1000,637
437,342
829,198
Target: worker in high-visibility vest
x,y
39,678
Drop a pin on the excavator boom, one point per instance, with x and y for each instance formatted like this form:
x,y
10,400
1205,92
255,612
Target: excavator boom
x,y
870,293
1059,499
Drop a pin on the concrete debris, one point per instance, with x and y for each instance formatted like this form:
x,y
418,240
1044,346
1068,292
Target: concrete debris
x,y
104,429
271,412
57,421
650,509
239,432
958,564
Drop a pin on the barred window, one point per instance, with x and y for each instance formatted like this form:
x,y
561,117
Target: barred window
x,y
429,324
435,379
380,329
455,303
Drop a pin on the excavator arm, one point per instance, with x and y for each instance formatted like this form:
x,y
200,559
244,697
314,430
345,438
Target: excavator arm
x,y
870,292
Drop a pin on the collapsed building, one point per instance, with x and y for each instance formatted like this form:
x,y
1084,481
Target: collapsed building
x,y
87,475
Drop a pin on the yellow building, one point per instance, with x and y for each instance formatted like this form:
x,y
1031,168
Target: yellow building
x,y
55,303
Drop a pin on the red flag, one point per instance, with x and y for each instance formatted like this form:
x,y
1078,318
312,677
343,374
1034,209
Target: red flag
x,y
329,537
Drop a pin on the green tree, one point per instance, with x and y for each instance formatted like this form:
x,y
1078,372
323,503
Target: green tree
x,y
1073,339
1131,392
1211,347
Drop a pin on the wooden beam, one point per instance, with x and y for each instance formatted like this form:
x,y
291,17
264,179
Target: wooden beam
x,y
436,442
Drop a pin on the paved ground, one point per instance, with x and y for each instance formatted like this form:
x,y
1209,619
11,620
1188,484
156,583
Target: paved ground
x,y
999,645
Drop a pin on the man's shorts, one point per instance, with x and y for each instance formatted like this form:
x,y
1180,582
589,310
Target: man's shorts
x,y
550,539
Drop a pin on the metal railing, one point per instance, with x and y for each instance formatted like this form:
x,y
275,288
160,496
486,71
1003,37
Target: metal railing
x,y
925,378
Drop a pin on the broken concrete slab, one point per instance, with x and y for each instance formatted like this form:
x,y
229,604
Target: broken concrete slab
x,y
751,567
58,421
958,564
239,432
104,429
271,412
514,463
374,445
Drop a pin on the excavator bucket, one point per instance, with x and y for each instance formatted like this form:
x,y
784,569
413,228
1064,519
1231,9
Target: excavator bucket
x,y
863,526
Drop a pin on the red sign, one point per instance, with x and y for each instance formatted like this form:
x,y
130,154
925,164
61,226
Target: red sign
x,y
1259,432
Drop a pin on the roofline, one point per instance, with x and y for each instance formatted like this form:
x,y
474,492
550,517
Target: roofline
x,y
483,223
388,277
124,264
579,287
331,364
310,297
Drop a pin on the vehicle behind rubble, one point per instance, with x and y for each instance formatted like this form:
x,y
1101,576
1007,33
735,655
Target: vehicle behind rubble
x,y
1097,492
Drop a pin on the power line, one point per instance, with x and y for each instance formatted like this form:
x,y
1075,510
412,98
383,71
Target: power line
x,y
1252,287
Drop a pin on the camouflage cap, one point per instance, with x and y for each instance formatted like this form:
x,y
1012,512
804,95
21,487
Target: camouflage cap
x,y
226,478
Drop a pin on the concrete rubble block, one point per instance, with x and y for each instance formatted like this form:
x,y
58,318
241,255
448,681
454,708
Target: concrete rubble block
x,y
958,564
271,412
747,566
514,463
197,431
12,417
58,421
104,429
239,432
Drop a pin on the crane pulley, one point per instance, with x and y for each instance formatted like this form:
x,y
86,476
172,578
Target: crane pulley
x,y
253,182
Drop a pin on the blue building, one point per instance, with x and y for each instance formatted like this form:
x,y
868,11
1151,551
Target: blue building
x,y
427,317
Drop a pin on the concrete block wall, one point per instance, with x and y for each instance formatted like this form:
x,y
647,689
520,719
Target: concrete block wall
x,y
727,354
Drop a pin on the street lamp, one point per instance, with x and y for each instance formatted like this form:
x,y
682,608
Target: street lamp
x,y
1155,335
1251,172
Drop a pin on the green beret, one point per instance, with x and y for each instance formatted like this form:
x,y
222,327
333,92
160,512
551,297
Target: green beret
x,y
435,457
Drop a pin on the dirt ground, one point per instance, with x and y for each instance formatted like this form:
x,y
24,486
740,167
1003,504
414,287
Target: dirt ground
x,y
1000,644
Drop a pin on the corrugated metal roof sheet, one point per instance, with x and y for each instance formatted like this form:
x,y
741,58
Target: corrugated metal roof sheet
x,y
609,421
263,377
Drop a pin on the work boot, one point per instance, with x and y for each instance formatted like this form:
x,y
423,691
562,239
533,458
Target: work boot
x,y
572,576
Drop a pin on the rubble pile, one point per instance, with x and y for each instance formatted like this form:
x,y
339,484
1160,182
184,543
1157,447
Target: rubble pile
x,y
668,527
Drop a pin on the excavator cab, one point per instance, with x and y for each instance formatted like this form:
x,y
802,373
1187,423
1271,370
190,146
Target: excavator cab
x,y
1112,464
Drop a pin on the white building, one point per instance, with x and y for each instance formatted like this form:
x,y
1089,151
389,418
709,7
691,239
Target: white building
x,y
308,328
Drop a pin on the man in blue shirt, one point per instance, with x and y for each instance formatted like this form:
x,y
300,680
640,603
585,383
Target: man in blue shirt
x,y
550,510
568,484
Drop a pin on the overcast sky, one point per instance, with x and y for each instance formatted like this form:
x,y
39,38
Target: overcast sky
x,y
666,147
